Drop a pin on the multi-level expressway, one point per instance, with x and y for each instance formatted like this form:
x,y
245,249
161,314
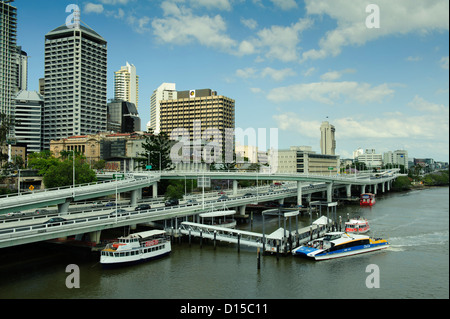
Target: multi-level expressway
x,y
28,230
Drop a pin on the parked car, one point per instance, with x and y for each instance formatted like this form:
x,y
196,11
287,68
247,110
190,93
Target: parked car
x,y
172,202
55,221
143,207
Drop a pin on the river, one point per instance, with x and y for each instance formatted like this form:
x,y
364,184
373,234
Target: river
x,y
416,265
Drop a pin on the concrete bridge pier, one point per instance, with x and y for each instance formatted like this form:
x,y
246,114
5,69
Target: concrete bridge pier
x,y
155,190
281,201
383,189
375,188
235,187
134,197
242,210
329,192
63,209
94,237
348,188
299,193
363,189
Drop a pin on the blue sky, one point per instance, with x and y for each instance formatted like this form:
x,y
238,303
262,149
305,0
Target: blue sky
x,y
289,64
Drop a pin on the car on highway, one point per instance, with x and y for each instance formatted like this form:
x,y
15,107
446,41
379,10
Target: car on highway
x,y
249,195
41,212
143,207
223,197
55,221
119,212
172,202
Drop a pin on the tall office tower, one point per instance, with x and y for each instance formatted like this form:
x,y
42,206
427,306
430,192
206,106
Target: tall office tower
x,y
21,69
166,91
123,117
197,111
75,83
327,139
126,84
8,49
27,113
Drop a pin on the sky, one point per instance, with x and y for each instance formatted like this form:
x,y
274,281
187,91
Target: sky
x,y
379,74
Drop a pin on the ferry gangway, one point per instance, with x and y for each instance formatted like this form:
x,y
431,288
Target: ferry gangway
x,y
281,240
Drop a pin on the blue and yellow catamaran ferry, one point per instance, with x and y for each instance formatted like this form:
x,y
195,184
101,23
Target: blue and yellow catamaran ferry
x,y
339,244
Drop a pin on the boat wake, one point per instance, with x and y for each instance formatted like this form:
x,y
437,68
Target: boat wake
x,y
436,238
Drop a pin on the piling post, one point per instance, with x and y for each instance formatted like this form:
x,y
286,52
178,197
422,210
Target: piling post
x,y
278,249
201,239
189,238
239,243
215,234
258,258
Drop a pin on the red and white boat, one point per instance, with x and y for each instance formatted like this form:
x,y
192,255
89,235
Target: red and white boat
x,y
357,226
367,199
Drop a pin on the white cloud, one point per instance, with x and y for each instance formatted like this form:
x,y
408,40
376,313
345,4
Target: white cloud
x,y
336,75
413,59
444,62
397,17
246,73
285,4
278,75
422,105
216,4
249,23
383,126
282,42
93,8
329,92
181,26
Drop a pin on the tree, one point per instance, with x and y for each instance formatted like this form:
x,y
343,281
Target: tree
x,y
61,174
157,152
42,161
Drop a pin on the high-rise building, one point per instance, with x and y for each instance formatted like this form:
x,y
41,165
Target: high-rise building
x,y
166,91
8,49
75,83
27,113
126,84
21,69
327,139
197,111
123,117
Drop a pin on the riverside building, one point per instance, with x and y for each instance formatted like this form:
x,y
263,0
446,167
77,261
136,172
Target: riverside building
x,y
75,83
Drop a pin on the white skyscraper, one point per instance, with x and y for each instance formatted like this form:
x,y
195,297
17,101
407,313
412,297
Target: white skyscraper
x,y
75,83
166,91
126,84
327,139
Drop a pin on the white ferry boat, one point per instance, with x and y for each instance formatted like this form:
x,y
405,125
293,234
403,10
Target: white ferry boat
x,y
357,226
339,244
136,248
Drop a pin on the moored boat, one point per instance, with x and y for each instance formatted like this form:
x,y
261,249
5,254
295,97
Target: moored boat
x,y
367,199
136,248
357,226
339,244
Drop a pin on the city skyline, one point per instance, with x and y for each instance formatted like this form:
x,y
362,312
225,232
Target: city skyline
x,y
288,64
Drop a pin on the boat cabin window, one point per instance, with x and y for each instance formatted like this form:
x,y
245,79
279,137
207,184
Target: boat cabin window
x,y
331,237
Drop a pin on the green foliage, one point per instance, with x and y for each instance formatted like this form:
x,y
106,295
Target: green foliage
x,y
59,172
157,152
437,179
402,183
